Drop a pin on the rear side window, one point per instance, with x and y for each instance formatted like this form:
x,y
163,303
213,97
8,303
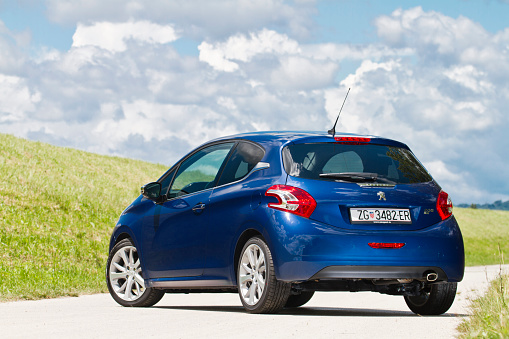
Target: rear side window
x,y
392,165
243,159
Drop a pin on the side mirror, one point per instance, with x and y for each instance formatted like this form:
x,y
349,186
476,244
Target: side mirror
x,y
151,191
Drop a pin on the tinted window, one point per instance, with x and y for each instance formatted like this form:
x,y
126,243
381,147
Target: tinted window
x,y
391,164
344,162
199,171
244,158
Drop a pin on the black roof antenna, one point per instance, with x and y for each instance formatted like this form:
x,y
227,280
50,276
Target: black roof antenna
x,y
333,130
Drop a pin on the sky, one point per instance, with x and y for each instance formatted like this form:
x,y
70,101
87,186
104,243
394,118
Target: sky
x,y
151,80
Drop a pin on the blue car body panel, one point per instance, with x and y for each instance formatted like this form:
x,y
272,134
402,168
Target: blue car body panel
x,y
175,244
304,248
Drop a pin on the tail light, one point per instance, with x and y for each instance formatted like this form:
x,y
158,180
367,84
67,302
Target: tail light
x,y
444,205
292,199
352,140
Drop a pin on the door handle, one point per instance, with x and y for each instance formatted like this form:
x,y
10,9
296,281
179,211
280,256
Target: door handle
x,y
198,208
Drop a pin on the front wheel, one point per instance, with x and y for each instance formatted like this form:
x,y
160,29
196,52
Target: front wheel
x,y
124,277
434,300
259,290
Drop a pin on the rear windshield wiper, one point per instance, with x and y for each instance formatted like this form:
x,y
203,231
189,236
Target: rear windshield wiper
x,y
352,176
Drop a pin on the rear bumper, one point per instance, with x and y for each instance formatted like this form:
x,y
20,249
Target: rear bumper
x,y
379,272
309,250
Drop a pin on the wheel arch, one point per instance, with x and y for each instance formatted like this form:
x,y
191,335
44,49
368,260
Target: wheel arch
x,y
244,237
121,233
122,236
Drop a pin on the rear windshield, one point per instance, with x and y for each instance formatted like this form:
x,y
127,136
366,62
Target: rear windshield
x,y
353,163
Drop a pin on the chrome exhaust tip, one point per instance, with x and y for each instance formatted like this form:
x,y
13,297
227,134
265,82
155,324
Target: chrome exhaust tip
x,y
431,277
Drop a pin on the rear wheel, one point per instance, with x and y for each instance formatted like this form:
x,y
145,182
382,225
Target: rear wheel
x,y
298,300
259,290
433,300
124,277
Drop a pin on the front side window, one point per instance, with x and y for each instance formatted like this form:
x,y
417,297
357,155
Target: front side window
x,y
199,171
166,181
370,162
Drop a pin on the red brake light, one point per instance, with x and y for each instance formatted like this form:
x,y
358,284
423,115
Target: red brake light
x,y
292,199
444,205
386,244
352,140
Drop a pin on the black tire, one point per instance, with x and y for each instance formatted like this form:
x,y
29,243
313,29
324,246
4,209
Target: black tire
x,y
298,300
434,300
274,293
137,295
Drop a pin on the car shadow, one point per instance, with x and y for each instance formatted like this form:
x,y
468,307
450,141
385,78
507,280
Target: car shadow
x,y
313,311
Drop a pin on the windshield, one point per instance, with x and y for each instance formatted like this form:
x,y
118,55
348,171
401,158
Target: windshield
x,y
353,163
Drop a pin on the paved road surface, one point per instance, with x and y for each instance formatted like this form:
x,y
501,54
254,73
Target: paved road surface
x,y
328,314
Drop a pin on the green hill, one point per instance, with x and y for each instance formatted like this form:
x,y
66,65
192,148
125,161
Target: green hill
x,y
59,205
57,209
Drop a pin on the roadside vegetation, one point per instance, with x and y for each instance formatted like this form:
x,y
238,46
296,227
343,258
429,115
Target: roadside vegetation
x,y
489,313
486,237
58,206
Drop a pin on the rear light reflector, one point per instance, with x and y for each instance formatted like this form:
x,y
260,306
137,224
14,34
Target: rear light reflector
x,y
292,199
386,244
444,205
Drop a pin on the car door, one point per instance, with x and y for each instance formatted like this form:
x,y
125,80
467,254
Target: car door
x,y
176,242
231,205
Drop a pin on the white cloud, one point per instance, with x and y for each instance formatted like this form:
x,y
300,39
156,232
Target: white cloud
x,y
113,36
430,32
198,18
296,72
16,99
154,121
228,103
469,77
12,57
243,48
442,173
458,185
216,58
290,70
338,52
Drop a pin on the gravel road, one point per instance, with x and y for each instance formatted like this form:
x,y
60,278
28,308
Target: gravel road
x,y
328,314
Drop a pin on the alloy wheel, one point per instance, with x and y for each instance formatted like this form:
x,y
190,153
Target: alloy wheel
x,y
125,274
252,274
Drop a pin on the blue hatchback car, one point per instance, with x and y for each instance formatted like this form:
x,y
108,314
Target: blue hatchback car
x,y
276,216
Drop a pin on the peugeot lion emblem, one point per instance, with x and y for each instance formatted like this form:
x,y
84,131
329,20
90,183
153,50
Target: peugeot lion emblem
x,y
381,195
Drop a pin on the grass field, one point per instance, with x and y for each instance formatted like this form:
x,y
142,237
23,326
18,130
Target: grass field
x,y
483,231
57,209
59,205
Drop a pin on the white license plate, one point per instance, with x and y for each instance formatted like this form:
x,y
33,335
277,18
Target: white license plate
x,y
380,216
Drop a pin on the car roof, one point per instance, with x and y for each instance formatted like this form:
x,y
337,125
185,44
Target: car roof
x,y
281,138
